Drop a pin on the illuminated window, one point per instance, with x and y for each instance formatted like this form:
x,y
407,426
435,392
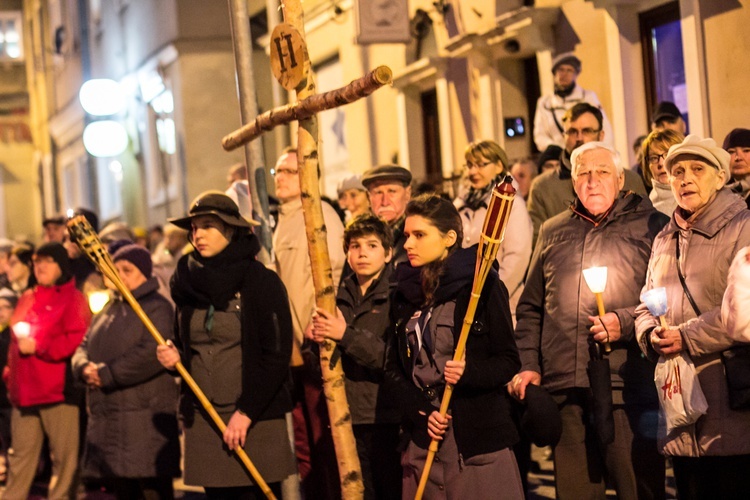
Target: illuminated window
x,y
11,35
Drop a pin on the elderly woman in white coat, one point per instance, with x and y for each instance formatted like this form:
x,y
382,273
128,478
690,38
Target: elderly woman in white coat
x,y
486,163
709,226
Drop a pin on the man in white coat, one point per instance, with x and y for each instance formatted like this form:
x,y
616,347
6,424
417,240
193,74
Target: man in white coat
x,y
550,109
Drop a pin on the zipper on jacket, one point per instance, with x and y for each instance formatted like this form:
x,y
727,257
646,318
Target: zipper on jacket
x,y
460,462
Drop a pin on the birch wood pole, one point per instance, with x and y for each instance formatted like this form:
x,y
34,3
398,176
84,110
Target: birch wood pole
x,y
350,473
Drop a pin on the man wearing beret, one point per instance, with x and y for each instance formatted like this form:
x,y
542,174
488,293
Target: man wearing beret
x,y
390,190
737,144
550,109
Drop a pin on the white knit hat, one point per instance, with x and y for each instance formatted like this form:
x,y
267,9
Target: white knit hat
x,y
705,148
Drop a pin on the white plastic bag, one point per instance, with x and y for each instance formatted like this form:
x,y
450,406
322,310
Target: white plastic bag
x,y
680,395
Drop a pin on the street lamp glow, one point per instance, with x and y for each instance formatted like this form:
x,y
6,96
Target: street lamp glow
x,y
105,138
101,97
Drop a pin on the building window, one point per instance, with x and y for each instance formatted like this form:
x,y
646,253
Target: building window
x,y
11,36
162,175
664,65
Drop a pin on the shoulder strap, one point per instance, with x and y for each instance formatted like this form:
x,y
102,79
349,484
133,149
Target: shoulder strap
x,y
682,278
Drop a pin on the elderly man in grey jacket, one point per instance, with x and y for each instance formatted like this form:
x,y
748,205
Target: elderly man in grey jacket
x,y
558,325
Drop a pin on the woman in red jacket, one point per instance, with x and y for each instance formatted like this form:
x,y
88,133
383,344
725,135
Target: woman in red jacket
x,y
48,324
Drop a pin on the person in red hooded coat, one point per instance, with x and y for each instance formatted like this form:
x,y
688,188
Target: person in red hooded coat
x,y
49,322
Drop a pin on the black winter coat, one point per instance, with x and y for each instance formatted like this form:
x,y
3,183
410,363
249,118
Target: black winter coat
x,y
481,412
132,426
266,323
363,349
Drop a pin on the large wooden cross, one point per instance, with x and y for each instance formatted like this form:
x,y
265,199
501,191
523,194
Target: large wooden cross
x,y
291,66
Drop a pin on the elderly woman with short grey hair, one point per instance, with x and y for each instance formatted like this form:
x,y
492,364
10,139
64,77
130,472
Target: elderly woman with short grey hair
x,y
691,258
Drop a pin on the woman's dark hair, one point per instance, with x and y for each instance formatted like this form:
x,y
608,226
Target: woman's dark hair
x,y
365,225
443,215
24,252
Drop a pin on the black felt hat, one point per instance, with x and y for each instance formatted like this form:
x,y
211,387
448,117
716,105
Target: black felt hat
x,y
218,204
540,419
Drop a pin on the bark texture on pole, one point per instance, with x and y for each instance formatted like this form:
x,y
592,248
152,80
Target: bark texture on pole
x,y
357,89
350,473
243,60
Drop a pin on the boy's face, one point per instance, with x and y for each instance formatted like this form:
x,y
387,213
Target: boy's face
x,y
366,256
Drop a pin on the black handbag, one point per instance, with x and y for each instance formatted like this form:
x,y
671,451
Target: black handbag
x,y
736,360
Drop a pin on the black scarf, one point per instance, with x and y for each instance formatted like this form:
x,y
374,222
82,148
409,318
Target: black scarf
x,y
457,273
201,282
474,200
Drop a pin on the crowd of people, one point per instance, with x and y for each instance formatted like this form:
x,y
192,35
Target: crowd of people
x,y
547,361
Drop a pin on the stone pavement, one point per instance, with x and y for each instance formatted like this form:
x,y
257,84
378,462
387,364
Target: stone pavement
x,y
541,484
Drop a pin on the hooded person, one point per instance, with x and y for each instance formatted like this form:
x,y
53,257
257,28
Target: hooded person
x,y
737,144
234,335
48,323
128,389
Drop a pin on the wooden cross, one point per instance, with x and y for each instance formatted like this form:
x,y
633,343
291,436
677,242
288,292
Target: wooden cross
x,y
291,65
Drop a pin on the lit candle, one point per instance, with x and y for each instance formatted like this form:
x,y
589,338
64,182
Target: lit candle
x,y
97,300
656,301
596,279
21,329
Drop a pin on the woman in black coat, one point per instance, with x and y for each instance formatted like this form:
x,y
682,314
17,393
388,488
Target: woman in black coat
x,y
235,339
428,308
132,435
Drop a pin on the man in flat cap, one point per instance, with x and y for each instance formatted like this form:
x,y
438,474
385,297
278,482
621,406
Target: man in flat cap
x,y
550,109
389,188
667,116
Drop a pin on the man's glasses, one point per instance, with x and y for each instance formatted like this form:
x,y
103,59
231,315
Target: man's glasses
x,y
587,132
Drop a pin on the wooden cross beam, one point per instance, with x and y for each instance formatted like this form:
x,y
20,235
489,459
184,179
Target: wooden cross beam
x,y
297,111
291,65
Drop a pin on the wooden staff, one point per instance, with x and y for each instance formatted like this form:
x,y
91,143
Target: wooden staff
x,y
350,474
86,238
493,233
357,89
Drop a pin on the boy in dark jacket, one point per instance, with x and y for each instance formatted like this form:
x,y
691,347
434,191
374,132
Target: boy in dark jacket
x,y
360,328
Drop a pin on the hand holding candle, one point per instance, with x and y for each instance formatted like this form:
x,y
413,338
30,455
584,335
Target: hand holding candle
x,y
596,279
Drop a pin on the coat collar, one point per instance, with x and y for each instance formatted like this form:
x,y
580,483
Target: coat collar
x,y
627,202
723,209
379,288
